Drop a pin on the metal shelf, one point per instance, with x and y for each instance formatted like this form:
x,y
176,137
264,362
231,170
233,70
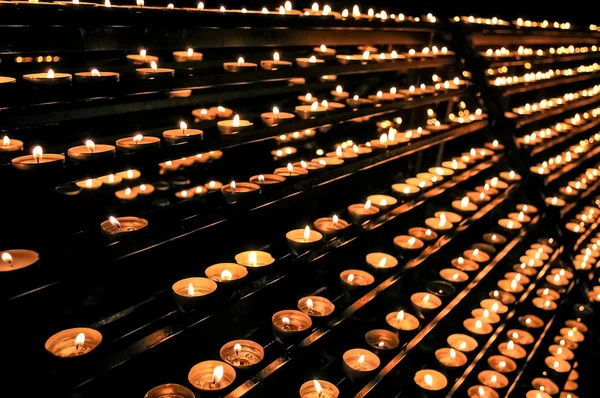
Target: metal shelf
x,y
538,149
527,87
525,120
571,166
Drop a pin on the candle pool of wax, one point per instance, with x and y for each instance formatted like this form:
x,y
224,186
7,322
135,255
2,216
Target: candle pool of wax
x,y
20,259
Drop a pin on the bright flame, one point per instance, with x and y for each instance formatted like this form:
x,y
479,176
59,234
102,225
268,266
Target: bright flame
x,y
452,353
226,275
7,258
50,74
240,61
478,324
481,392
6,141
382,262
464,203
95,73
367,205
400,316
218,374
428,379
153,66
236,121
350,278
37,153
252,259
312,59
190,290
285,320
510,345
80,339
306,233
361,359
309,304
318,387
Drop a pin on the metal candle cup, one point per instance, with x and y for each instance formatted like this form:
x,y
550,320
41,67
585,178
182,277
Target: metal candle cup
x,y
424,234
211,376
190,293
17,260
481,392
405,190
512,350
353,281
493,379
267,180
359,364
90,151
329,226
383,202
425,303
38,161
502,364
450,358
381,261
362,212
454,276
465,265
290,324
477,327
233,126
316,306
462,342
430,382
71,343
124,228
409,245
325,389
254,260
137,143
485,315
276,118
301,240
241,190
169,390
382,340
48,79
226,273
239,66
402,321
242,354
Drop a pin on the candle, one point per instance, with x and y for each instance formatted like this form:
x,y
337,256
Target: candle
x,y
557,365
408,244
462,342
291,171
288,323
504,297
138,142
510,286
577,325
316,306
419,183
234,192
89,184
330,226
561,352
359,363
382,340
120,228
487,190
520,278
275,64
188,293
362,212
481,392
402,321
254,259
512,350
520,337
536,394
154,72
464,205
381,261
38,160
17,259
111,179
537,254
572,335
213,186
267,180
547,294
7,80
234,126
434,179
183,134
169,390
240,66
557,280
211,376
430,380
187,55
502,364
49,78
90,151
494,306
96,77
305,112
476,255
492,379
527,209
318,389
485,315
73,342
142,58
494,239
464,264
438,224
531,321
545,248
453,275
219,112
454,164
301,240
304,62
340,153
425,302
226,272
424,234
383,202
10,145
339,93
556,202
477,326
545,305
324,51
242,354
450,357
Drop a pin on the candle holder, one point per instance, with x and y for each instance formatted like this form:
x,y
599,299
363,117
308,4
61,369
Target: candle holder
x,y
309,62
169,390
480,391
519,277
330,226
316,306
450,359
381,262
306,112
509,226
234,126
275,118
537,394
462,342
290,324
477,327
237,191
520,217
441,289
311,165
354,281
228,274
190,293
360,213
90,151
267,181
403,322
426,235
359,363
494,306
439,224
561,352
137,143
454,276
302,240
476,255
484,247
502,364
240,66
520,337
485,315
408,245
71,343
512,350
254,259
572,335
418,182
537,254
291,171
242,354
383,202
405,191
557,369
464,206
381,340
9,146
504,297
493,379
18,260
124,228
531,322
527,208
154,72
425,303
318,389
510,286
183,134
465,265
211,376
38,161
430,383
49,78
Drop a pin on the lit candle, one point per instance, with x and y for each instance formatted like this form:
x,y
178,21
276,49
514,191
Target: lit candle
x,y
304,62
240,66
154,72
301,240
465,265
73,342
477,326
138,142
50,78
493,379
187,55
450,357
38,160
234,126
182,134
430,380
402,321
359,363
211,376
318,389
502,364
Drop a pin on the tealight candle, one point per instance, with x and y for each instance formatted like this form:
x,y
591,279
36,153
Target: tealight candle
x,y
154,72
462,342
544,305
450,357
267,180
305,112
291,171
536,394
577,325
275,118
481,392
557,365
330,226
556,202
142,58
547,294
234,126
572,335
510,286
434,179
402,321
10,145
430,380
492,379
318,389
561,352
438,224
359,363
477,326
240,66
254,259
7,80
242,354
512,350
90,151
520,217
408,244
504,297
38,160
111,179
288,323
73,342
89,184
190,292
424,234
454,165
520,278
120,228
425,302
301,240
494,306
17,259
405,190
211,376
485,315
169,390
304,62
213,186
234,192
464,205
575,228
49,78
324,51
537,254
362,212
453,275
138,142
316,306
417,182
96,77
383,202
183,134
494,239
557,280
226,272
509,225
531,321
527,209
465,265
188,55
382,340
381,261
476,255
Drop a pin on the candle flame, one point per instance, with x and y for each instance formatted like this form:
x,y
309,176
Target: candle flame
x,y
218,374
559,350
367,205
556,365
494,378
237,348
140,3
428,379
285,320
89,182
190,52
426,298
350,278
7,258
309,304
314,106
95,73
37,153
240,61
335,219
107,3
183,126
361,359
236,121
190,290
312,59
464,203
232,185
452,353
137,138
411,241
5,141
462,345
366,55
50,74
264,10
306,233
406,190
486,314
510,225
502,364
455,276
318,387
478,324
80,339
481,392
510,345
